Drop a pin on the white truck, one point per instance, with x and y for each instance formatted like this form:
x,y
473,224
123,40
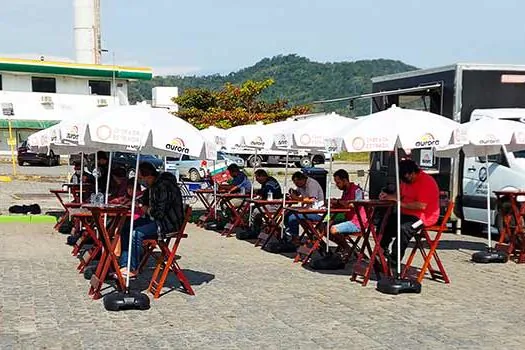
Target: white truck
x,y
461,92
301,159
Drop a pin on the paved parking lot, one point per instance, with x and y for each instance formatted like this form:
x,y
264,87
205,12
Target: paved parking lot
x,y
247,298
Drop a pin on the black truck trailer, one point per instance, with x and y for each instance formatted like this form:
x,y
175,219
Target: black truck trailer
x,y
453,91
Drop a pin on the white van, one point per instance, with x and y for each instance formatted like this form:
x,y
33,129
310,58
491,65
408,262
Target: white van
x,y
506,170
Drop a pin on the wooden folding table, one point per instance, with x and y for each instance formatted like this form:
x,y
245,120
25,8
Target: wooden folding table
x,y
238,212
272,212
314,230
110,237
209,204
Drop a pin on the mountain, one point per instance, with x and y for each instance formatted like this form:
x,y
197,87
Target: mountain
x,y
297,79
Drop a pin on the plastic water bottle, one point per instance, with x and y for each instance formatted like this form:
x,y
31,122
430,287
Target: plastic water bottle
x,y
74,179
270,196
359,194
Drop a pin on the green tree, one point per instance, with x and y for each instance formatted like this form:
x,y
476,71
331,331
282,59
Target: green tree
x,y
298,80
233,105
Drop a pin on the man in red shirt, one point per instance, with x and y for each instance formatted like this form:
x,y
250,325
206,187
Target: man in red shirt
x,y
419,207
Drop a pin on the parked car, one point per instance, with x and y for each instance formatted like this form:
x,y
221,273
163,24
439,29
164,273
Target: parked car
x,y
121,159
27,157
129,161
195,169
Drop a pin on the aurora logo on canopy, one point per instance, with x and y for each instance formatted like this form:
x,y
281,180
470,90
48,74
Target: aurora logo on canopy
x,y
258,141
72,133
177,145
427,140
489,139
331,145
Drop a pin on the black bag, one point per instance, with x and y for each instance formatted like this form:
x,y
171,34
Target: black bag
x,y
25,209
328,262
246,234
66,228
280,247
71,240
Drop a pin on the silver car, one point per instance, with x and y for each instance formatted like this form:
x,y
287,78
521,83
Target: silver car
x,y
196,169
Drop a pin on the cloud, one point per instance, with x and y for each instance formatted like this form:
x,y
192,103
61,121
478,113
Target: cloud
x,y
36,56
175,70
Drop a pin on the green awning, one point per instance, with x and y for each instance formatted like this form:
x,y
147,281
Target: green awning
x,y
27,124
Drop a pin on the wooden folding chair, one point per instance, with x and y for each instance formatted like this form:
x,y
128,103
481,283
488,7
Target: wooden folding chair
x,y
166,259
423,237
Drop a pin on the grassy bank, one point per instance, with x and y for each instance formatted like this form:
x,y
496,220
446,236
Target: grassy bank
x,y
352,157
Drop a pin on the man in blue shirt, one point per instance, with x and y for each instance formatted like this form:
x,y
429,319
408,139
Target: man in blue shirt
x,y
239,181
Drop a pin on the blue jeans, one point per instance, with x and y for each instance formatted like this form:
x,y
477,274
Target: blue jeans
x,y
143,228
293,222
346,227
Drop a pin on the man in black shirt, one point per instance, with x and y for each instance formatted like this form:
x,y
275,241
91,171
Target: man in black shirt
x,y
268,184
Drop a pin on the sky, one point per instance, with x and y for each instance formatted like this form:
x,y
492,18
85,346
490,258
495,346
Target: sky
x,y
210,36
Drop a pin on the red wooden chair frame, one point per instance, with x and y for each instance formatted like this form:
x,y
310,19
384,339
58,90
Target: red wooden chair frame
x,y
238,213
424,237
86,220
166,259
371,233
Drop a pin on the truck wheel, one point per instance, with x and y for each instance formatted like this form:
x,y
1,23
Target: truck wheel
x,y
51,159
318,159
254,162
306,162
20,163
194,175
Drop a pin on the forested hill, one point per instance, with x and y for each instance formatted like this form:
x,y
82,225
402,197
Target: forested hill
x,y
297,79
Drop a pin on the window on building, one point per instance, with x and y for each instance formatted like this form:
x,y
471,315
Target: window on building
x,y
40,84
100,87
0,81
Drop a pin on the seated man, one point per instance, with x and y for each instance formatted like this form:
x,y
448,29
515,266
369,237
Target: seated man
x,y
164,213
419,207
351,192
308,191
268,184
87,178
240,181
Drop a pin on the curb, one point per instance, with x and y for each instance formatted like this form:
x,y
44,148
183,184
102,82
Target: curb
x,y
36,178
27,219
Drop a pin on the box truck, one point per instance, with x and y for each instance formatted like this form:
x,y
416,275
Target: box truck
x,y
460,92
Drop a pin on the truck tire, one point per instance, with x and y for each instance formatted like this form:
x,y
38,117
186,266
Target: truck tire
x,y
194,175
254,162
318,159
306,162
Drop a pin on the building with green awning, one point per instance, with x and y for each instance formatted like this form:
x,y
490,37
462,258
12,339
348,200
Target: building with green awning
x,y
42,93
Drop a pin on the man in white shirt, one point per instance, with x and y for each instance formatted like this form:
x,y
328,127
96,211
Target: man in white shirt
x,y
308,191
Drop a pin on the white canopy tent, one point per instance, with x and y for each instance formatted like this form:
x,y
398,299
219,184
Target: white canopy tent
x,y
397,128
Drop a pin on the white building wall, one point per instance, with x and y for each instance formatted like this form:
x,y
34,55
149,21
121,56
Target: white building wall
x,y
18,82
69,85
64,85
